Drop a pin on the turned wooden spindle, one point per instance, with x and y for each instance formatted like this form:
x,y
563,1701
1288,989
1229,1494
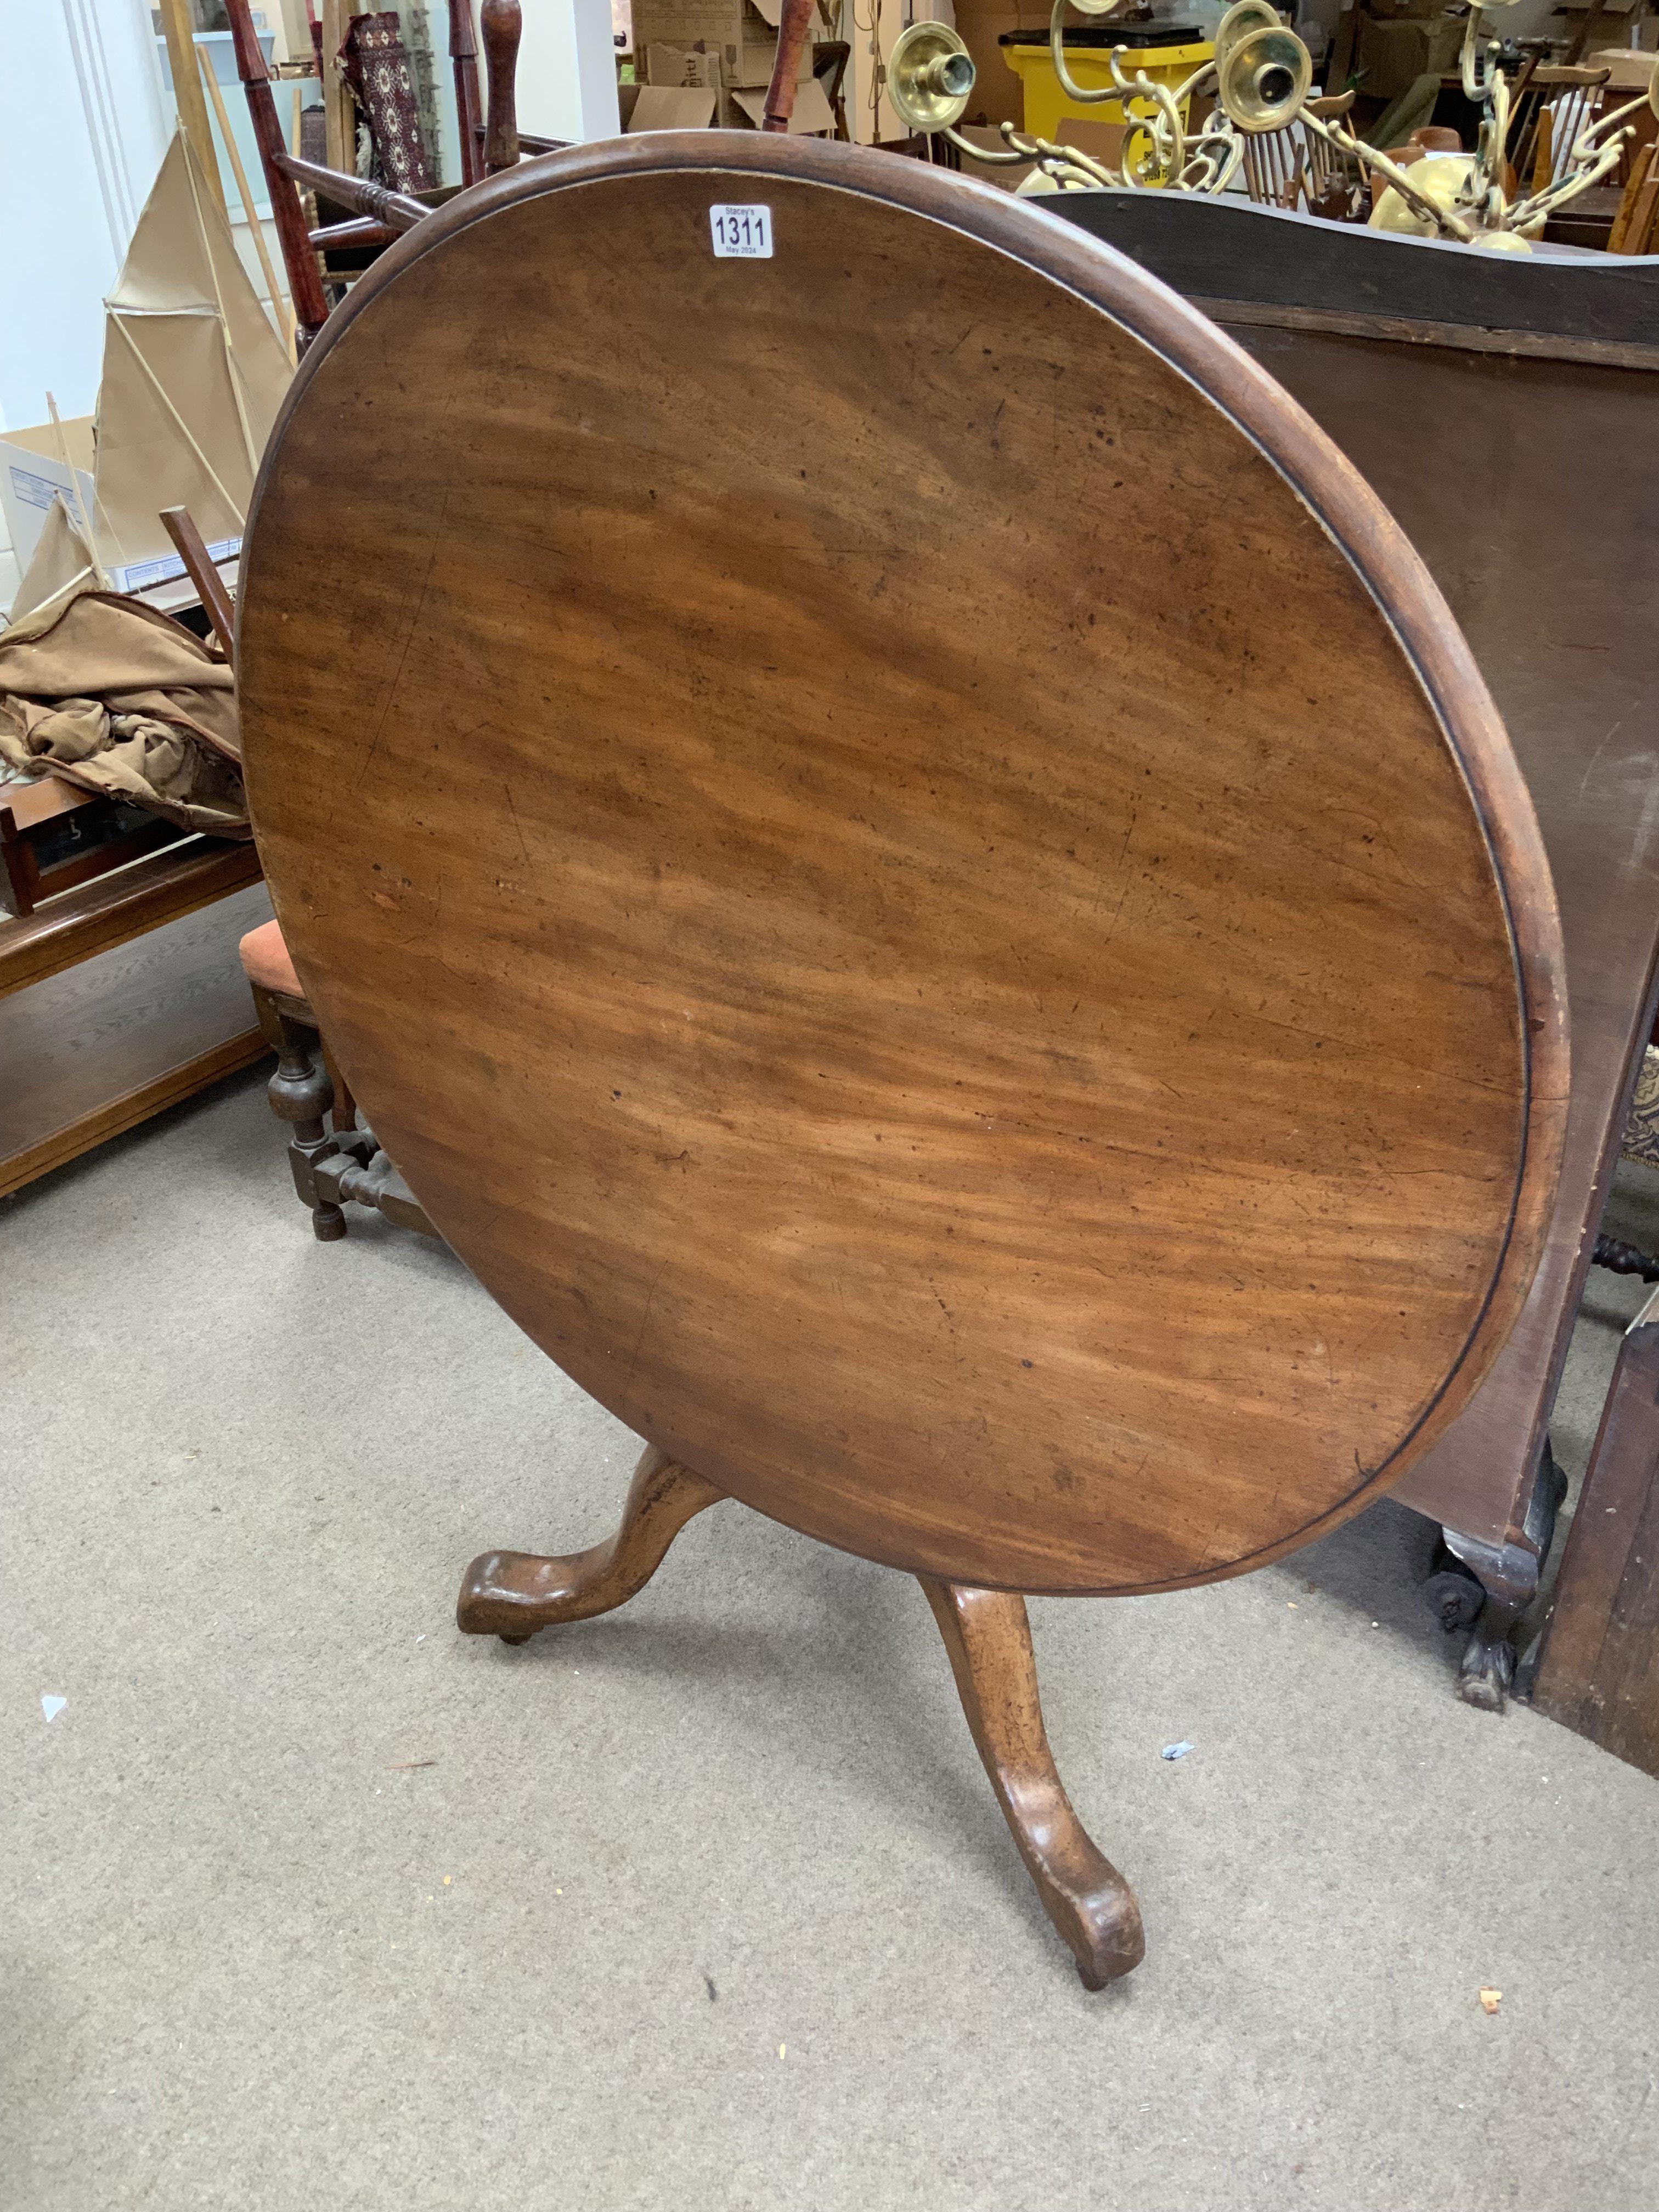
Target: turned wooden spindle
x,y
502,22
463,65
793,32
397,212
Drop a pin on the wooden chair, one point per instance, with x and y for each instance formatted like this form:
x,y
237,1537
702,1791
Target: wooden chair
x,y
337,252
1036,1102
1554,105
335,1161
1282,168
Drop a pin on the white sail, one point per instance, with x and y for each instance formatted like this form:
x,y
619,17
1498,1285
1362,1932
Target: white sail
x,y
62,563
193,376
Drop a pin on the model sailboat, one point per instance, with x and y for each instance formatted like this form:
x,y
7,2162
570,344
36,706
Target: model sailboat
x,y
193,376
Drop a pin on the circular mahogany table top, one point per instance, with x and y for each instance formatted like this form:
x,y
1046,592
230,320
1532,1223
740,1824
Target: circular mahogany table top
x,y
911,867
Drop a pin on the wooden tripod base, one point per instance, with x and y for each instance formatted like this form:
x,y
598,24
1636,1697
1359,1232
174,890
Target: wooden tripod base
x,y
512,1595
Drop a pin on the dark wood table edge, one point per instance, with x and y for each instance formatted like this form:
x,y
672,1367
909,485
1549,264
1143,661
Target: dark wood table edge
x,y
1405,330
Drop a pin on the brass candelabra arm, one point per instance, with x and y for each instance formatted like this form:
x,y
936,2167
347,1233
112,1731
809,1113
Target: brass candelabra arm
x,y
1344,141
1068,84
1023,146
1478,63
1590,162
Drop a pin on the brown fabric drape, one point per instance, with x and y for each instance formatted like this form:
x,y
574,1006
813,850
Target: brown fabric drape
x,y
118,699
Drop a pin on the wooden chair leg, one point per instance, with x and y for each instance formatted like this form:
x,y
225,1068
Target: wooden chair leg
x,y
344,1116
301,1094
511,1595
988,1638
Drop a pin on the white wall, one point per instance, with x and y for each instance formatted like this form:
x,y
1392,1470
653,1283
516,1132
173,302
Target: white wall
x,y
83,137
85,123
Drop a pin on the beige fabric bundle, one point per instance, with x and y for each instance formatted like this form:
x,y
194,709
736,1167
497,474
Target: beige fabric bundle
x,y
113,696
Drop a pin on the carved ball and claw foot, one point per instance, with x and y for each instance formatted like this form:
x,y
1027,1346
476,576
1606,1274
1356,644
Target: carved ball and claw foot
x,y
513,1595
1482,1589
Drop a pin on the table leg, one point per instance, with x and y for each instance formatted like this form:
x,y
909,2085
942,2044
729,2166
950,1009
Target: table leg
x,y
988,1638
511,1595
1485,1587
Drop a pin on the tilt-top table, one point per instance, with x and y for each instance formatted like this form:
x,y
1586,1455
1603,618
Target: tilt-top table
x,y
917,877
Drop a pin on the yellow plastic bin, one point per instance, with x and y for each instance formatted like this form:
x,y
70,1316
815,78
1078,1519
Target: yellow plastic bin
x,y
1167,52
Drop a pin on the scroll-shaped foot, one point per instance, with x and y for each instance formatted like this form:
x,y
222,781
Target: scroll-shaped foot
x,y
512,1594
988,1638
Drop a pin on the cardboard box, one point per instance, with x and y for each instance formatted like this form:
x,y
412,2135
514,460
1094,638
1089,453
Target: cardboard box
x,y
1389,57
742,33
998,95
813,115
31,474
673,107
687,66
1389,11
682,66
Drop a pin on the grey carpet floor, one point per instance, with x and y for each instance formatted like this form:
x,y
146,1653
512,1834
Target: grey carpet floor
x,y
312,1902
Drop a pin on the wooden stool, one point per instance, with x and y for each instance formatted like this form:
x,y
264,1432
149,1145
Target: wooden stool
x,y
961,852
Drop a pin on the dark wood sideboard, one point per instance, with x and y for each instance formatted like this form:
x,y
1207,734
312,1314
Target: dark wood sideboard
x,y
1504,409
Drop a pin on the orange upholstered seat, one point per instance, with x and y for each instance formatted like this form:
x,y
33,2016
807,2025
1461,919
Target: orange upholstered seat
x,y
265,957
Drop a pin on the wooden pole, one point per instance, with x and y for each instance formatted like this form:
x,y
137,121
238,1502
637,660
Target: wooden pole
x,y
187,93
464,63
339,108
282,312
180,527
305,283
794,33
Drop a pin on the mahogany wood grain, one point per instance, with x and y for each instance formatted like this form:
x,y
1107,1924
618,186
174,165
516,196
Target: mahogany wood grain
x,y
988,1638
949,835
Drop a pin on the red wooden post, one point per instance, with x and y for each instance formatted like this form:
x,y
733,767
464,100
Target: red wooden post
x,y
794,33
469,117
305,283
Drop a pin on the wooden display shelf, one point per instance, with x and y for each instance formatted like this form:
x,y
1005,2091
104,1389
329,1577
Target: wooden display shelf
x,y
121,997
